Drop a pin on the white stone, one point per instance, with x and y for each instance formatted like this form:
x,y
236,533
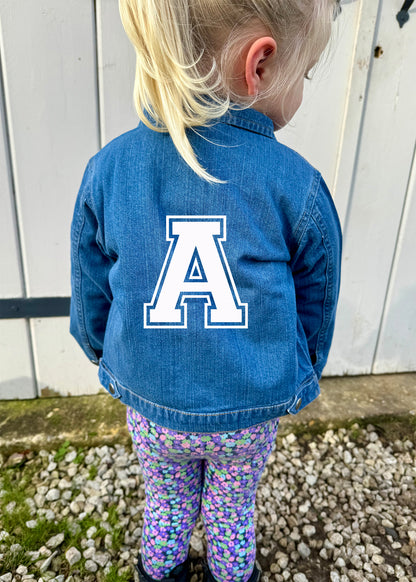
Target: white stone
x,y
91,566
282,560
91,531
89,459
196,544
39,499
347,457
49,515
304,550
101,559
53,495
47,562
89,553
21,570
71,456
336,539
72,556
300,578
64,484
55,541
399,571
75,508
44,551
324,554
309,530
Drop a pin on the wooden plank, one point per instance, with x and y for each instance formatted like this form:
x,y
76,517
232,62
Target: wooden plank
x,y
397,344
116,69
16,375
61,367
317,129
16,371
10,279
362,48
381,170
51,90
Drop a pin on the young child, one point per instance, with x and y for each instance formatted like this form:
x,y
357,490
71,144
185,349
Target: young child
x,y
205,265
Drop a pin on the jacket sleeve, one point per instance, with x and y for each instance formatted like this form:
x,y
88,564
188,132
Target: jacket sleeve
x,y
316,269
90,266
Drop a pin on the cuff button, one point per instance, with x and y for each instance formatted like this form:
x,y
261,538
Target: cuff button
x,y
298,404
111,389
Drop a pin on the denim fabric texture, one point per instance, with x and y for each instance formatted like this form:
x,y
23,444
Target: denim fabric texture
x,y
208,307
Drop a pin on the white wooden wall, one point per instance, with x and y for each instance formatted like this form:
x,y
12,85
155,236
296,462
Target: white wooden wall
x,y
65,90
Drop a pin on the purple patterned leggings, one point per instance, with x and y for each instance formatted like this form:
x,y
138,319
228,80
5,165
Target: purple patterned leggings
x,y
215,474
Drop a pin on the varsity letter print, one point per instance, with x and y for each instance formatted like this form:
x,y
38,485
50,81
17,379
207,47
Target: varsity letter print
x,y
195,268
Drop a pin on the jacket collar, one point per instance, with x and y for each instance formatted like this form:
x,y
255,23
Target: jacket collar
x,y
251,120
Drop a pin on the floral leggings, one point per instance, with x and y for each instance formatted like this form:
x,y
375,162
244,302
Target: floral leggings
x,y
215,474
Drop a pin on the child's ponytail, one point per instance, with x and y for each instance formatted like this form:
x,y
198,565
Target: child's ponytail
x,y
170,94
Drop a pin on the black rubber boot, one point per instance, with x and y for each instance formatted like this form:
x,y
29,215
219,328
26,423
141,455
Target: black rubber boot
x,y
180,573
208,577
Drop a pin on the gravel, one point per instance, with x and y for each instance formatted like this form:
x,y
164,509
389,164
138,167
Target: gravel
x,y
338,507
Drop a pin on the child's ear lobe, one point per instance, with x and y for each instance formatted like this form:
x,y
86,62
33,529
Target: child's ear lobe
x,y
258,63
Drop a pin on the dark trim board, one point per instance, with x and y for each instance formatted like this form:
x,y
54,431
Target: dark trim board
x,y
36,307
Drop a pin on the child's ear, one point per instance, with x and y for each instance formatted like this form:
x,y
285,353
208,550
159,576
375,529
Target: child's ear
x,y
258,64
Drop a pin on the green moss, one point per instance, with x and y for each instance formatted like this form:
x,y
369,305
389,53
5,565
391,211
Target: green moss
x,y
114,576
62,451
92,472
113,516
15,489
117,538
79,459
32,539
13,560
85,420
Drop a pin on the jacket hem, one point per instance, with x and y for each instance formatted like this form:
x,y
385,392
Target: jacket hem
x,y
208,422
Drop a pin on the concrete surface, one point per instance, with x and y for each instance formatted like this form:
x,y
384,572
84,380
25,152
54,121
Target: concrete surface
x,y
91,420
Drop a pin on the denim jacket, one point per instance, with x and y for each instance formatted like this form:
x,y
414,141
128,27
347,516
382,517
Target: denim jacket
x,y
208,306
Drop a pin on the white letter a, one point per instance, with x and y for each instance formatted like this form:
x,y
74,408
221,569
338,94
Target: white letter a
x,y
195,268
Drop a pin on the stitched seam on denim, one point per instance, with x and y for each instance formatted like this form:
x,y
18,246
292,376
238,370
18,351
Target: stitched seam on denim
x,y
78,280
250,125
99,239
206,414
307,381
307,212
79,304
328,285
201,414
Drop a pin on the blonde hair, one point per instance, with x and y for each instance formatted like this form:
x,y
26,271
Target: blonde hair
x,y
187,51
